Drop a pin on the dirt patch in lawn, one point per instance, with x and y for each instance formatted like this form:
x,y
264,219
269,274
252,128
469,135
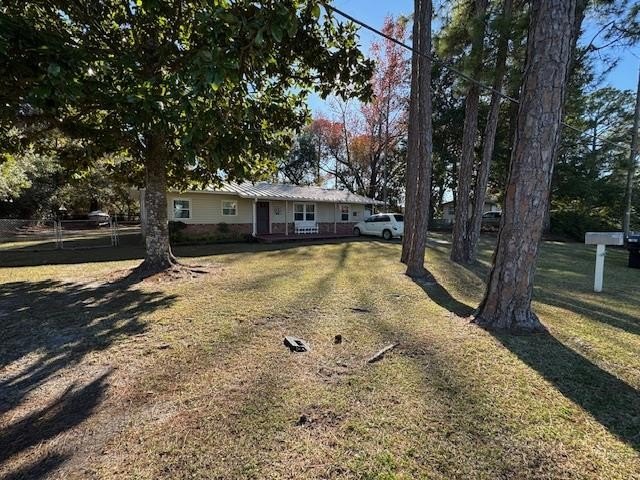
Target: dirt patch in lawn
x,y
316,417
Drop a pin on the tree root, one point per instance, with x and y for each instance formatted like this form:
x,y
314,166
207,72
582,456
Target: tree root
x,y
167,271
512,325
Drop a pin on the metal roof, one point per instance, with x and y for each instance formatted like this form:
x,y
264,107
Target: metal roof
x,y
278,191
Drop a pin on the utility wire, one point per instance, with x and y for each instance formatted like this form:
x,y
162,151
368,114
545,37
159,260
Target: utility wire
x,y
455,70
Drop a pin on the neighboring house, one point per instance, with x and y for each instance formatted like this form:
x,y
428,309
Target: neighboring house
x,y
449,212
266,208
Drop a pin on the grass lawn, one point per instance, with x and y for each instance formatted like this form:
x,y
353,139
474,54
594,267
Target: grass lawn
x,y
189,379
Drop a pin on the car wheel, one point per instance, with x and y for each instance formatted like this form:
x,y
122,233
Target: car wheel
x,y
386,234
356,232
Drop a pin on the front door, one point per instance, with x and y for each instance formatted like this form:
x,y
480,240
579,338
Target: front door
x,y
262,217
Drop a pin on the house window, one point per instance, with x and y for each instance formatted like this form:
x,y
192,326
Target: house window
x,y
229,208
304,211
344,213
182,209
310,215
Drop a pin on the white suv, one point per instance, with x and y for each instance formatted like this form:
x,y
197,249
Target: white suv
x,y
385,225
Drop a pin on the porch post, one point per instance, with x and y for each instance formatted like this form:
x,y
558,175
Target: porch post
x,y
253,216
335,221
286,220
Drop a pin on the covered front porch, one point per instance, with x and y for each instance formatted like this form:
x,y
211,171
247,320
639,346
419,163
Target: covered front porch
x,y
301,219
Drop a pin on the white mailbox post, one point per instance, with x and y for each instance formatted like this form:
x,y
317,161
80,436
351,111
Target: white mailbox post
x,y
602,239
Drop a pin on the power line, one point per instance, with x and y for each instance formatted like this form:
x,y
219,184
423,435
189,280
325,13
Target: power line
x,y
450,67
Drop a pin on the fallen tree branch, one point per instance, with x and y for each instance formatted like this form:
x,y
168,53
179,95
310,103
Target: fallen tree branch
x,y
380,355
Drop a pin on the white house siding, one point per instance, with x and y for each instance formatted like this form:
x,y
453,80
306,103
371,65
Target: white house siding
x,y
206,208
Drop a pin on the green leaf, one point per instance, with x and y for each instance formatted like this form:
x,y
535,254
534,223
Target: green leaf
x,y
259,40
54,69
292,29
276,32
228,77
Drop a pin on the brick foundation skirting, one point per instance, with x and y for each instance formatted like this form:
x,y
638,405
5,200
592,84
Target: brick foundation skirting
x,y
213,228
196,229
345,228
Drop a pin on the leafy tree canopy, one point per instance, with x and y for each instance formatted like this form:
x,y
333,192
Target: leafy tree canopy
x,y
222,84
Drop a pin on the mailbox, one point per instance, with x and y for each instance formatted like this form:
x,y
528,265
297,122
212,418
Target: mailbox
x,y
604,238
601,239
633,245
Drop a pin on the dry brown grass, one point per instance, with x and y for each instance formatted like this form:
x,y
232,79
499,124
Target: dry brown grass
x,y
190,379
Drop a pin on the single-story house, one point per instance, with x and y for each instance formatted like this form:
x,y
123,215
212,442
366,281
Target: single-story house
x,y
449,212
266,208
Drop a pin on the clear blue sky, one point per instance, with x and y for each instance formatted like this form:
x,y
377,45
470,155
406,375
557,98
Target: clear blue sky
x,y
373,12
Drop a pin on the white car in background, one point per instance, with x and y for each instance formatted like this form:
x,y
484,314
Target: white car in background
x,y
385,225
100,218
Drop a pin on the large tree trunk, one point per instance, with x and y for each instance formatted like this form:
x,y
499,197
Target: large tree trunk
x,y
411,174
482,178
460,248
507,301
158,256
420,146
581,10
631,173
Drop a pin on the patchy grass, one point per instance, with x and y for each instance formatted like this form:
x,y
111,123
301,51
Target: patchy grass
x,y
190,379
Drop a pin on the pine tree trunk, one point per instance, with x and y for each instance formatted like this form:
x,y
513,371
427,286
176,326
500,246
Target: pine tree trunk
x,y
411,180
460,250
415,259
482,178
158,256
420,146
631,173
507,301
581,9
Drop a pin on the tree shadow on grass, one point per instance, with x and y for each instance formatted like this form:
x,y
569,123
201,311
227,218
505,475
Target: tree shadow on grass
x,y
258,398
610,400
39,469
67,411
47,326
596,312
27,257
439,295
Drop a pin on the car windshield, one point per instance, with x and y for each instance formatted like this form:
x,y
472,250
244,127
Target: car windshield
x,y
399,218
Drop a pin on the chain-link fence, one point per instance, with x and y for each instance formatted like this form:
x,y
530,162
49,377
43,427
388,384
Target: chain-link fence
x,y
29,234
88,233
35,235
